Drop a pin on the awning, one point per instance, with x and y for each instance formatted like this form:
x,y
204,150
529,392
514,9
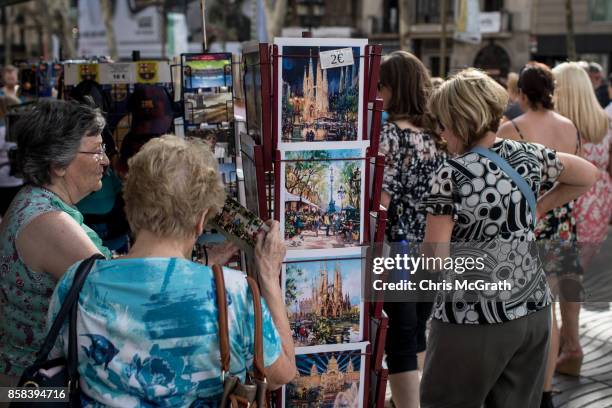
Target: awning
x,y
293,197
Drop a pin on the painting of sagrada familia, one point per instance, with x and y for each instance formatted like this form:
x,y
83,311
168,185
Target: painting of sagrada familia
x,y
326,298
323,301
326,380
318,104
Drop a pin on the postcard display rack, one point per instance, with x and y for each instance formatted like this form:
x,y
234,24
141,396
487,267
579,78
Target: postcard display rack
x,y
311,151
206,90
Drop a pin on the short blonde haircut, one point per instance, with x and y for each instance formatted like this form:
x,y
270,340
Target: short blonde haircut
x,y
470,104
576,100
171,182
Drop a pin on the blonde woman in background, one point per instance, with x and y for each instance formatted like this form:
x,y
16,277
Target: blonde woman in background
x,y
556,229
575,99
485,349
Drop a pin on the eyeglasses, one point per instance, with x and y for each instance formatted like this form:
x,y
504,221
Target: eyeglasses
x,y
99,154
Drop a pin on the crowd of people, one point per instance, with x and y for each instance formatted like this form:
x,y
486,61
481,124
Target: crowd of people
x,y
445,145
342,224
458,153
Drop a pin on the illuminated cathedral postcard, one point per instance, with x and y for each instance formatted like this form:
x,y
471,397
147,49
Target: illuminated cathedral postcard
x,y
321,89
331,379
322,196
323,298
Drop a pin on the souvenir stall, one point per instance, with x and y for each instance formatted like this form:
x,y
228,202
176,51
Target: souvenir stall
x,y
310,146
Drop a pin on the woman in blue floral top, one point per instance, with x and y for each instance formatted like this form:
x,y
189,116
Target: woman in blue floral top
x,y
412,155
147,323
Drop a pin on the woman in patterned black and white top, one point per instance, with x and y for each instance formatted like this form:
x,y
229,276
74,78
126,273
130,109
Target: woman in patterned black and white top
x,y
412,152
493,341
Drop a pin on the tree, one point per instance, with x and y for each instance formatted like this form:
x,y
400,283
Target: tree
x,y
291,292
55,16
107,16
304,175
404,24
350,178
275,10
569,24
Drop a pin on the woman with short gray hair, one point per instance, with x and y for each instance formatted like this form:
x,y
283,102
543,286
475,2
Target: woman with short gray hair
x,y
62,160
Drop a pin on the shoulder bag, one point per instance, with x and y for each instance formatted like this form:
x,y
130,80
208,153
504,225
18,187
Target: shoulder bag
x,y
513,174
252,393
61,371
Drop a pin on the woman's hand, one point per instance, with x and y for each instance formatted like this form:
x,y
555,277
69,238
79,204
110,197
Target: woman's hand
x,y
221,254
269,254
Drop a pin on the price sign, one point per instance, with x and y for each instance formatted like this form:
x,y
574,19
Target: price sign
x,y
336,58
117,73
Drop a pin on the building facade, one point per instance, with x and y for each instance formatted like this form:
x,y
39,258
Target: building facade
x,y
516,31
592,27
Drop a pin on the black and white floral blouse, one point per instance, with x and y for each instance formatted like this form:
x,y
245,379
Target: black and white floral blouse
x,y
411,159
493,220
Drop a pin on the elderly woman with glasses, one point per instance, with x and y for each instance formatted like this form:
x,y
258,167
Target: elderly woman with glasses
x,y
62,160
148,322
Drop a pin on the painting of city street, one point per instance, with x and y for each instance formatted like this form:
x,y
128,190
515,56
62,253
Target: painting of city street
x,y
208,107
326,380
323,198
323,299
318,104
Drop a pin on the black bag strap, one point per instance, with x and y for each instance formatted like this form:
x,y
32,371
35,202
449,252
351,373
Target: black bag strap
x,y
71,300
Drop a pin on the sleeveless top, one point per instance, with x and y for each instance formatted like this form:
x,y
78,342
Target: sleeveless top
x,y
595,206
24,293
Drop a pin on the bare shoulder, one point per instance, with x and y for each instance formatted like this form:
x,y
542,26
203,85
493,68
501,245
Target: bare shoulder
x,y
53,224
52,242
564,123
567,133
507,131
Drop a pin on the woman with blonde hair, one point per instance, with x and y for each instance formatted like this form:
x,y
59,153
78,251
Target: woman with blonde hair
x,y
575,99
488,346
148,330
556,229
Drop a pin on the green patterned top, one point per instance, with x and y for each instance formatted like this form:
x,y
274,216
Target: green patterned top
x,y
24,293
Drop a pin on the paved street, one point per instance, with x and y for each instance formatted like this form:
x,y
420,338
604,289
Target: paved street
x,y
593,389
309,240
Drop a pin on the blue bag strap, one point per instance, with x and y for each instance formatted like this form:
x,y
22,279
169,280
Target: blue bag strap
x,y
518,180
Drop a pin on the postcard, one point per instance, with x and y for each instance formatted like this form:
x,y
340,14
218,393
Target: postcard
x,y
207,70
323,298
322,198
238,224
208,107
328,379
252,91
318,104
